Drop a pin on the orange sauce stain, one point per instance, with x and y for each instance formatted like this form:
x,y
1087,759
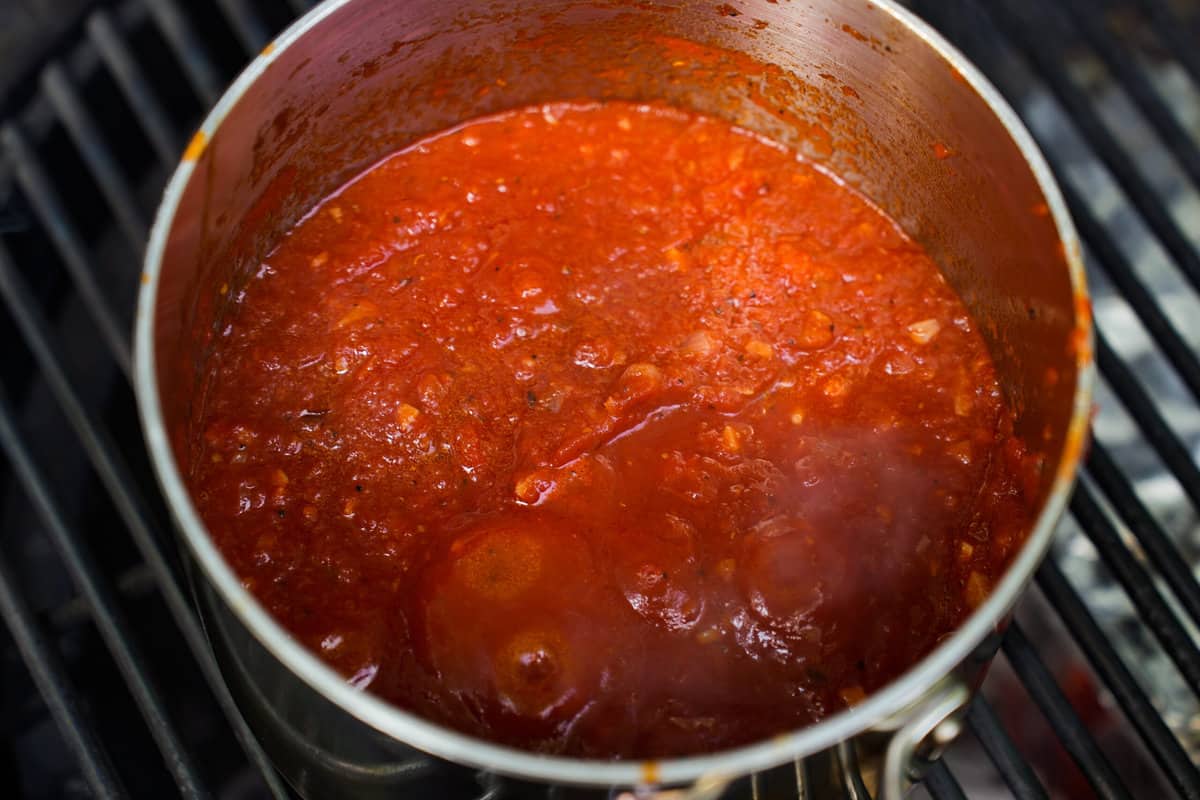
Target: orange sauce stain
x,y
857,34
1079,343
196,146
1083,310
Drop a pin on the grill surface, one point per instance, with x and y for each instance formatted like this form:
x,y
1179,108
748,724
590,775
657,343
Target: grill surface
x,y
107,687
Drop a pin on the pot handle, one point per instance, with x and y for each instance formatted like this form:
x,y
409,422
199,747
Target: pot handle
x,y
932,723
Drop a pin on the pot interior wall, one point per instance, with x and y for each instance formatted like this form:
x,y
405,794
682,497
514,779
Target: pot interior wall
x,y
843,83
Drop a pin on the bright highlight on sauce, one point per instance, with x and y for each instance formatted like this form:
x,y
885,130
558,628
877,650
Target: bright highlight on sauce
x,y
608,430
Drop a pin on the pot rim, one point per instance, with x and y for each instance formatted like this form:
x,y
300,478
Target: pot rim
x,y
452,745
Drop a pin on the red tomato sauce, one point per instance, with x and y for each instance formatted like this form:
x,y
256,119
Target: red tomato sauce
x,y
608,430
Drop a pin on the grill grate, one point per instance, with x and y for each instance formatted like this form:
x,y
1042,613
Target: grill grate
x,y
104,659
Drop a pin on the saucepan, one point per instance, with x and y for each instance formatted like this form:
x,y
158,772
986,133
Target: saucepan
x,y
860,87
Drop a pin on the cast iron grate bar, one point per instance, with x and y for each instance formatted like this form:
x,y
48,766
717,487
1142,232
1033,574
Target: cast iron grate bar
x,y
1149,420
1071,731
1160,551
129,504
197,64
96,154
69,244
491,786
56,689
131,583
247,26
1174,35
1166,750
1138,584
941,783
1000,749
1122,67
1108,256
109,618
130,78
53,216
1041,53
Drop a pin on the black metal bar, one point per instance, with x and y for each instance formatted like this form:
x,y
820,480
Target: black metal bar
x,y
1062,717
197,66
1148,419
1161,743
115,476
129,76
246,25
491,786
1138,585
96,154
1042,53
54,219
56,690
1129,74
110,620
941,783
135,582
1012,765
1159,549
1176,37
1100,244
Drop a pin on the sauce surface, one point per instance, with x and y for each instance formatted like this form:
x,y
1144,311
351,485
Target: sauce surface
x,y
608,430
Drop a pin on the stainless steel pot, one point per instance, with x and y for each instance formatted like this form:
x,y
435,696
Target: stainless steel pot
x,y
863,88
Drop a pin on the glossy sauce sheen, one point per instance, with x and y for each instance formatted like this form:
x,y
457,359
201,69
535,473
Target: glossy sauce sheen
x,y
608,430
